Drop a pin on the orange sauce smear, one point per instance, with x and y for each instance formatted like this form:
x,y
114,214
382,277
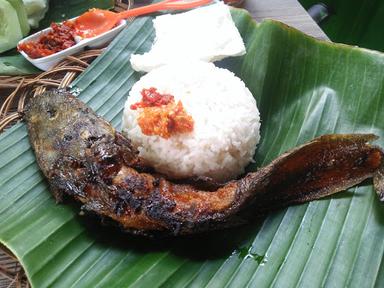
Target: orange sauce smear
x,y
161,115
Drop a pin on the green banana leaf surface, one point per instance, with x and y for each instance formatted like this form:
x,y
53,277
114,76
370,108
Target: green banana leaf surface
x,y
304,88
16,65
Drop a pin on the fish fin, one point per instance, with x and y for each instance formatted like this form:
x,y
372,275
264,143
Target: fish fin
x,y
57,194
319,168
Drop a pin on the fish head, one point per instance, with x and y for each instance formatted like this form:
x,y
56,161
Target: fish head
x,y
60,126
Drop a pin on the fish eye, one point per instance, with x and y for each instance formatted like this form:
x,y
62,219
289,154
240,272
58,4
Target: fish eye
x,y
67,137
51,112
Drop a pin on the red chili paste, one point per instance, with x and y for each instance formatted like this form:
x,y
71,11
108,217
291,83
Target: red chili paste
x,y
59,38
152,98
161,115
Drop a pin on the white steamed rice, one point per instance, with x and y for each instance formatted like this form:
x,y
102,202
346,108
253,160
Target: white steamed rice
x,y
226,122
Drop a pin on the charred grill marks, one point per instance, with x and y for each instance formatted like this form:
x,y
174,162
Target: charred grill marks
x,y
83,157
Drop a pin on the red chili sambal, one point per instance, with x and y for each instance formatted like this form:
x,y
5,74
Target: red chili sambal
x,y
152,98
161,115
62,36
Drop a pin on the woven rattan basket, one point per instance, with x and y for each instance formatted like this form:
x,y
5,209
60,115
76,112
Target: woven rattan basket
x,y
13,93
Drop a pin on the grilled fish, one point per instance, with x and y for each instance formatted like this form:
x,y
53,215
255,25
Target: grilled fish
x,y
84,157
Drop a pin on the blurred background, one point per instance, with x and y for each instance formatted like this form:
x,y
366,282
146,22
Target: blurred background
x,y
355,22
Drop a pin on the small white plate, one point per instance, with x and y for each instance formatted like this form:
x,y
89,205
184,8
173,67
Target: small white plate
x,y
47,62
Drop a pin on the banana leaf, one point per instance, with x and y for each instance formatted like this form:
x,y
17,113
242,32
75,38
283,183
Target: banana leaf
x,y
16,65
304,88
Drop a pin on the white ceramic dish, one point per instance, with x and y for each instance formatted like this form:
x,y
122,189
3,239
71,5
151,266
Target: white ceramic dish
x,y
45,63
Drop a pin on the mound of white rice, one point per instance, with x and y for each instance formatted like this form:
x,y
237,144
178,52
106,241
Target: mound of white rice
x,y
226,122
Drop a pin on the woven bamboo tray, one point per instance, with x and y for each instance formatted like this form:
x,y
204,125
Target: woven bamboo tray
x,y
14,91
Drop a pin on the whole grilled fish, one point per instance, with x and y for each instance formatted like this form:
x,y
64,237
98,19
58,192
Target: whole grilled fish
x,y
84,157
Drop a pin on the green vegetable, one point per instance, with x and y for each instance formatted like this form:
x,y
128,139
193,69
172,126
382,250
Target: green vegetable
x,y
304,88
36,10
10,31
22,15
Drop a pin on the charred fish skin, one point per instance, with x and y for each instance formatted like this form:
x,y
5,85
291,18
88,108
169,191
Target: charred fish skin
x,y
82,156
324,166
59,126
378,183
